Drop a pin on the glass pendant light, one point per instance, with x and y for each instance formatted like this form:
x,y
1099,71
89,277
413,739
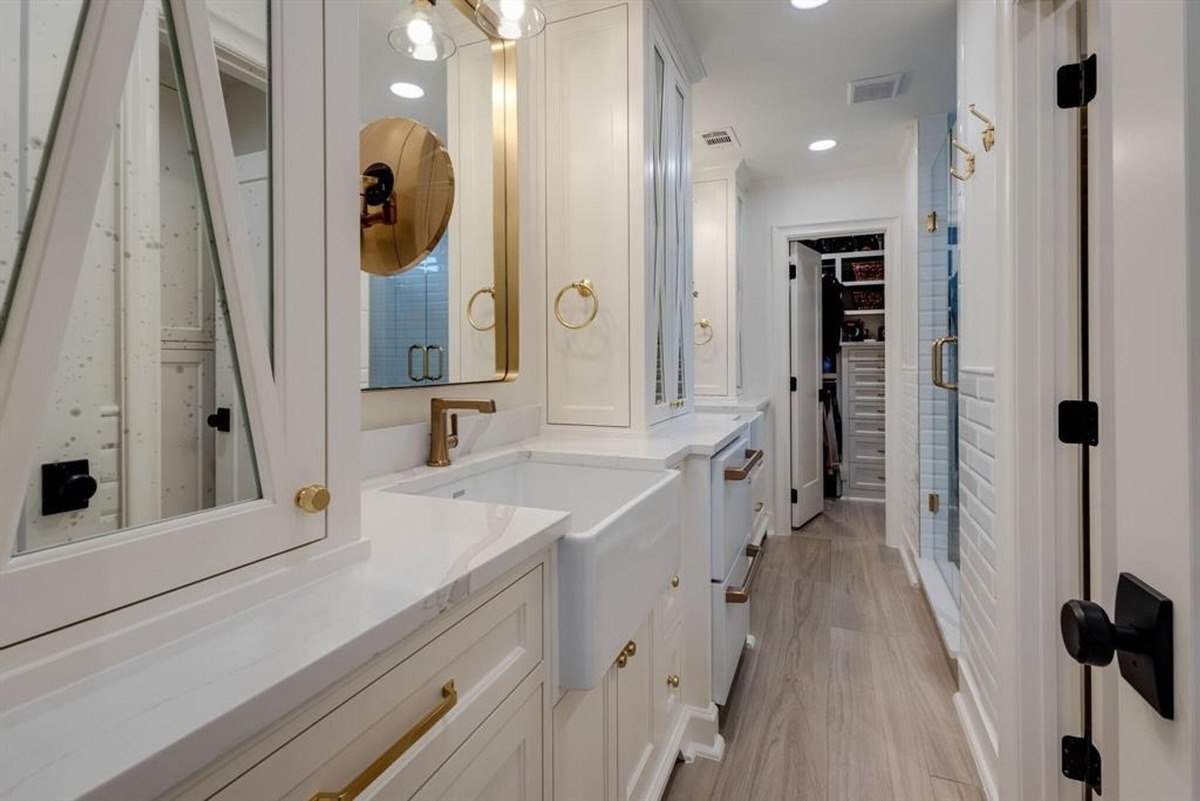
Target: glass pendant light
x,y
511,19
419,33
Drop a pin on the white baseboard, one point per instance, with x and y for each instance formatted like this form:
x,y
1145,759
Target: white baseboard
x,y
676,747
910,564
702,739
978,739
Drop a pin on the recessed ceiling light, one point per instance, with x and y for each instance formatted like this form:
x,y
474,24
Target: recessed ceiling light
x,y
823,144
807,4
408,91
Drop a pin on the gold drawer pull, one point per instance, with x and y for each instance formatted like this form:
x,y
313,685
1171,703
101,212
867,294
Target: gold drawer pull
x,y
487,290
741,595
389,757
588,290
741,473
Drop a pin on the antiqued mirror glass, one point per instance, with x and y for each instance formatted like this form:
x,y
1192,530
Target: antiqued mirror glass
x,y
146,420
438,208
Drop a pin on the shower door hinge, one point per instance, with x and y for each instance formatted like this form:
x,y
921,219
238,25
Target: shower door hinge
x,y
1079,422
1081,761
935,503
1077,83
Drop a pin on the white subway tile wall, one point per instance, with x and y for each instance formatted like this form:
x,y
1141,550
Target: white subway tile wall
x,y
977,485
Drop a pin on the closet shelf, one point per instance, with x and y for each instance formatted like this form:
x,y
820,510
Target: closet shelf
x,y
851,284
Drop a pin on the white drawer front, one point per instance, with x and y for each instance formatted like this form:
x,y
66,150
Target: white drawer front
x,y
502,761
867,425
868,448
487,654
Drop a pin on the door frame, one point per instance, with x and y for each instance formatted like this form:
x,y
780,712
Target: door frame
x,y
781,237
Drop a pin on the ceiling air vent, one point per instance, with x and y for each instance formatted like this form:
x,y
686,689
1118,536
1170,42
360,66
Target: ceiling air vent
x,y
883,87
720,137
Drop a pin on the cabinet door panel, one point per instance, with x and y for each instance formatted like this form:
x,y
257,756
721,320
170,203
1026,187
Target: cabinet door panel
x,y
584,743
587,213
635,715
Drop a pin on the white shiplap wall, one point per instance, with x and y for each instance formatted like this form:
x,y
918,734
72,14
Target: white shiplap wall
x,y
977,449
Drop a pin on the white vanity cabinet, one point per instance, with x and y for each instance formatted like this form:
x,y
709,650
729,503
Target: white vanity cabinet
x,y
460,710
618,740
618,217
718,204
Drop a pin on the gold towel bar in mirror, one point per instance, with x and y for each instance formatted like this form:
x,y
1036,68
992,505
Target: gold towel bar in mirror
x,y
587,290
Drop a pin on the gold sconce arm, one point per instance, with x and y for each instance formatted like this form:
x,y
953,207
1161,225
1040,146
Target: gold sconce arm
x,y
970,170
989,132
587,290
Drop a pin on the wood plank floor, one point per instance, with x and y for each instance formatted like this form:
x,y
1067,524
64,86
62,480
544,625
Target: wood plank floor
x,y
847,696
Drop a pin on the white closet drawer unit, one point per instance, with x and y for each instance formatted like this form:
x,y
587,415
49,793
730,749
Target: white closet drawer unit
x,y
867,448
865,426
760,488
486,656
864,407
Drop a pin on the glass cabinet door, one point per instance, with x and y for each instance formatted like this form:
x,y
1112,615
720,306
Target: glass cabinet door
x,y
148,339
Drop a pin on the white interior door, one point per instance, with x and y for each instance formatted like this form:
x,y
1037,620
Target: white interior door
x,y
807,456
1144,187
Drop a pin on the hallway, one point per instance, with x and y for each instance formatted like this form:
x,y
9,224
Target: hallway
x,y
847,696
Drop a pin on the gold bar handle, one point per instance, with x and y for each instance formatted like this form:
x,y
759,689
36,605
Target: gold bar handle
x,y
989,132
389,757
741,595
939,345
487,290
588,290
742,473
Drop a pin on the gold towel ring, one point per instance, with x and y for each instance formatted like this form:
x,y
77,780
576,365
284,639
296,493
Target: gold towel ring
x,y
962,176
487,290
705,325
587,290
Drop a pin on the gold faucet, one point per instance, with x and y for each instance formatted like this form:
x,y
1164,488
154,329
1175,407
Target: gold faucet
x,y
440,442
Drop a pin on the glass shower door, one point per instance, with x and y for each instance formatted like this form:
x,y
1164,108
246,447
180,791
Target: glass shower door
x,y
938,263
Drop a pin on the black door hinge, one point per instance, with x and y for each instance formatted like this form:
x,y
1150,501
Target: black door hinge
x,y
1079,422
795,496
1077,83
794,383
1081,762
791,272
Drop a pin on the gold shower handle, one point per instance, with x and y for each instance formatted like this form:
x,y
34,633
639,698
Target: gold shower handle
x,y
989,132
939,346
970,171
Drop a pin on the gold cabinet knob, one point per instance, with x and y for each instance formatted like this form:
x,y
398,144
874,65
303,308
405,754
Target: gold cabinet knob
x,y
631,648
674,581
313,499
672,681
622,660
758,507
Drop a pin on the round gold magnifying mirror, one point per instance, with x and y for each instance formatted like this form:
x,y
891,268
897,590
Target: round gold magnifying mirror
x,y
407,194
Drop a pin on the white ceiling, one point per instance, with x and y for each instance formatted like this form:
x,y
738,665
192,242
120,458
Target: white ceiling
x,y
779,76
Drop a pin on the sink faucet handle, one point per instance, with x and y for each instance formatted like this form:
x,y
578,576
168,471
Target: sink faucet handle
x,y
452,440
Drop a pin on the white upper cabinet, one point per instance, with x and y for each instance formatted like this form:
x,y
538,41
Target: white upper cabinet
x,y
162,381
618,219
718,213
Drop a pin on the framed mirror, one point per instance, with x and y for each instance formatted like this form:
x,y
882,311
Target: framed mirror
x,y
439,255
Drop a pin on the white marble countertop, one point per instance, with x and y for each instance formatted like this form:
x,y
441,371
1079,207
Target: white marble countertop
x,y
137,729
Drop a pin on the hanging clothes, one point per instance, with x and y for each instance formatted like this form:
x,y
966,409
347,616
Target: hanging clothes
x,y
833,311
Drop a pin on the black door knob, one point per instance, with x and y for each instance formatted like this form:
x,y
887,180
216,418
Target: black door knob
x,y
67,486
1142,639
1091,638
221,420
78,489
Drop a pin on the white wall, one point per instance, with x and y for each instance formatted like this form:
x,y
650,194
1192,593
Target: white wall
x,y
903,472
825,204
